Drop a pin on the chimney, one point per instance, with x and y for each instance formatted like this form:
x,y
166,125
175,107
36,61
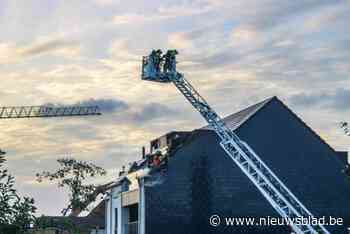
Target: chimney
x,y
143,152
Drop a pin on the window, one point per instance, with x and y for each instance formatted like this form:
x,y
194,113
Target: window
x,y
133,219
133,213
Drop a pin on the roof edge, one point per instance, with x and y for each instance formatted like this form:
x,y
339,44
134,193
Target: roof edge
x,y
260,105
263,104
307,126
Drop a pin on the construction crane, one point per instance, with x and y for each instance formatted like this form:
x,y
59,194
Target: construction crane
x,y
159,68
46,111
16,112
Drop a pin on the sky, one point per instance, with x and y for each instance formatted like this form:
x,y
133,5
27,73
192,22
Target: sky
x,y
235,53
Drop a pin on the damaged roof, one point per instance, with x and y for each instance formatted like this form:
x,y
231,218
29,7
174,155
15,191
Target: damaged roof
x,y
233,121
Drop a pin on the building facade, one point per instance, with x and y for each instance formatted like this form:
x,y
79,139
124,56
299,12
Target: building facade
x,y
187,177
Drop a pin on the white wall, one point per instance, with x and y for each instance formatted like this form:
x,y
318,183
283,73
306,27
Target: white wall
x,y
142,216
113,201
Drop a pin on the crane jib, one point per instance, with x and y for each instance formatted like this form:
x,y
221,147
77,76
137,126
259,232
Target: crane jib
x,y
18,112
47,111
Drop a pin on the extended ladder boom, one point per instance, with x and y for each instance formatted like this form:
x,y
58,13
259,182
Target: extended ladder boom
x,y
47,111
272,188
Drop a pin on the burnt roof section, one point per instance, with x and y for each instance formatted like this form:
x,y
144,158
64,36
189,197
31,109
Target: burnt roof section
x,y
235,120
170,134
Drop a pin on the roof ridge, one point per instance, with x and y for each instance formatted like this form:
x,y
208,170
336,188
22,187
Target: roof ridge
x,y
236,119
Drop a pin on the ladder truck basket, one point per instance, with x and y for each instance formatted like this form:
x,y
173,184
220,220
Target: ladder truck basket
x,y
152,70
146,69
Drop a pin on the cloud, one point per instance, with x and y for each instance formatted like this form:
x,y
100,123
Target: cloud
x,y
120,49
338,100
179,40
153,111
8,53
308,100
125,114
244,35
326,16
165,12
11,52
106,2
47,46
271,13
189,9
105,105
131,18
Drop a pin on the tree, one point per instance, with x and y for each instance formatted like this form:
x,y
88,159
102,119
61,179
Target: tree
x,y
72,175
64,223
14,211
24,214
345,127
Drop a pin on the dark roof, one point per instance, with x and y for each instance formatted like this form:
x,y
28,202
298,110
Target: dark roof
x,y
343,157
291,149
235,120
82,223
95,218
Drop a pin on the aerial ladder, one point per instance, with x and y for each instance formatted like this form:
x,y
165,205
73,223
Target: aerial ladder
x,y
45,111
159,68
